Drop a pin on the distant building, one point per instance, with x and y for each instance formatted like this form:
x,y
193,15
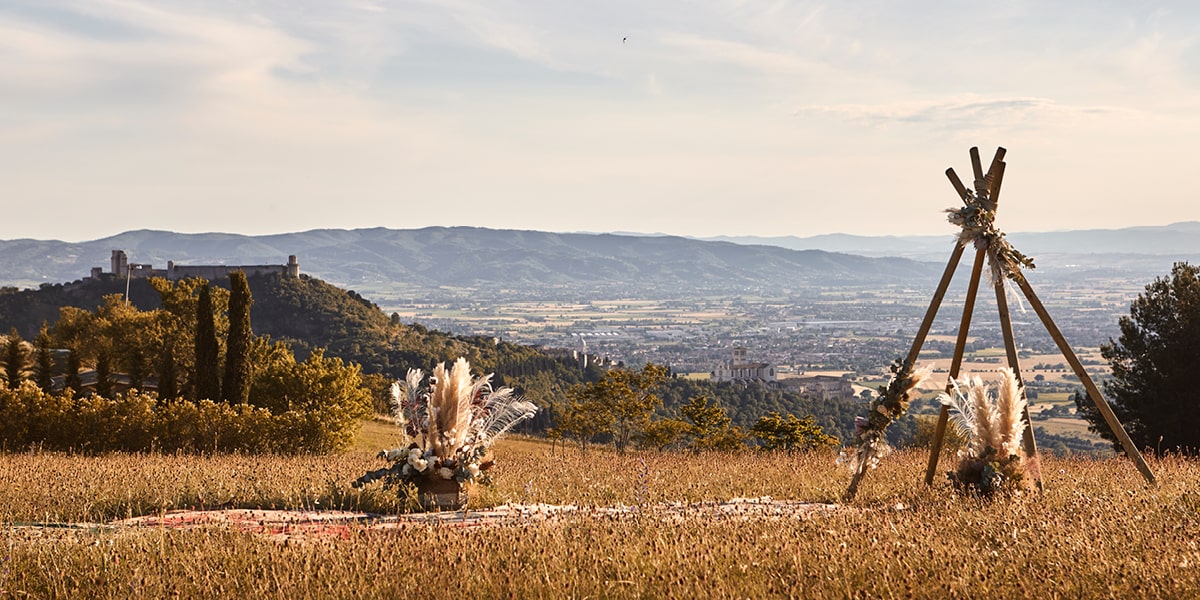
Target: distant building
x,y
122,269
820,387
741,370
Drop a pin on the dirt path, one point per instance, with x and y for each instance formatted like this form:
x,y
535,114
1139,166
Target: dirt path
x,y
282,525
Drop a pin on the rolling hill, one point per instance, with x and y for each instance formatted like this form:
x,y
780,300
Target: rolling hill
x,y
465,257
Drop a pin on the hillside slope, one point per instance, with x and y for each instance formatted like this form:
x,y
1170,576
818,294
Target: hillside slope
x,y
305,312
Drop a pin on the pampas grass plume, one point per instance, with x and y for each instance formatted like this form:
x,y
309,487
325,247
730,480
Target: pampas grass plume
x,y
1010,408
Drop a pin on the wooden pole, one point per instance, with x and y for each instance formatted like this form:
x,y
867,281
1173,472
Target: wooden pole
x,y
992,181
1093,392
977,169
957,183
996,178
993,178
918,341
938,296
964,325
1010,350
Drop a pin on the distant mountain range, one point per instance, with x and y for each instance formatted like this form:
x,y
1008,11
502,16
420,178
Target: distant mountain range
x,y
1058,248
464,257
470,256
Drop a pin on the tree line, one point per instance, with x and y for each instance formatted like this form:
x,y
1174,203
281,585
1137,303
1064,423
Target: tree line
x,y
197,359
621,407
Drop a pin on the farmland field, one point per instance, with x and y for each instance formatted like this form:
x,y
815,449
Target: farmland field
x,y
1097,530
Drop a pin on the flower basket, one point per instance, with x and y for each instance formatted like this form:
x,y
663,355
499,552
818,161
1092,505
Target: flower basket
x,y
448,427
441,494
993,425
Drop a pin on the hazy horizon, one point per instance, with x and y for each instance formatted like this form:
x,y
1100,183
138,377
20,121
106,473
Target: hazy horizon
x,y
728,118
949,233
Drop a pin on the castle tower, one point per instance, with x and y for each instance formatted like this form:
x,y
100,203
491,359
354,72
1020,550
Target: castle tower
x,y
119,263
293,266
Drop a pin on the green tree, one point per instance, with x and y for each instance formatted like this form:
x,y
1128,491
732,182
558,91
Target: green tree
x,y
583,418
43,368
16,360
177,320
235,388
663,433
324,397
787,432
207,380
620,403
1154,363
710,426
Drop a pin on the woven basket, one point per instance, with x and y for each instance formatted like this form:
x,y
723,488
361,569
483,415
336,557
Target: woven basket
x,y
441,494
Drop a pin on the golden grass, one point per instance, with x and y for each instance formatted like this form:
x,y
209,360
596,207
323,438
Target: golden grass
x,y
1097,531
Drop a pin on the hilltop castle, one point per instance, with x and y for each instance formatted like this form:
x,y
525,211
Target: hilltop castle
x,y
741,370
123,269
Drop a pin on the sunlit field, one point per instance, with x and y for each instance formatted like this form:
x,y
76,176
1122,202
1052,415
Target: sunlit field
x,y
1096,531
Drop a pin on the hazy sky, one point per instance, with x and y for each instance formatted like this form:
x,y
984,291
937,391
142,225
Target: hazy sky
x,y
692,118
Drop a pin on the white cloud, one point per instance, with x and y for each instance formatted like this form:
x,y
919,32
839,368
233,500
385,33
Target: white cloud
x,y
971,111
783,106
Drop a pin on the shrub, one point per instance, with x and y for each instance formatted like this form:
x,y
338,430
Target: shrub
x,y
139,422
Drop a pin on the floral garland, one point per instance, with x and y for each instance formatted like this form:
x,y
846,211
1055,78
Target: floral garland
x,y
890,403
978,223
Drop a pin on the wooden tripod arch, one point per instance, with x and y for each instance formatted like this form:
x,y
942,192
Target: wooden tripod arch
x,y
985,197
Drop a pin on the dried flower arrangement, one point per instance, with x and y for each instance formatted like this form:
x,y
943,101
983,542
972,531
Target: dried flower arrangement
x,y
978,223
993,425
448,426
889,404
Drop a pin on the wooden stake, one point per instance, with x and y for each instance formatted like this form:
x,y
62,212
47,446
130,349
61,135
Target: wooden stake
x,y
991,181
1093,392
977,168
918,341
997,177
964,325
938,296
957,183
1010,350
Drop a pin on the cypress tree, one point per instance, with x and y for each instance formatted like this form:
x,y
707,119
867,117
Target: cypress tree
x,y
71,378
236,387
15,360
168,376
137,368
103,376
44,366
207,379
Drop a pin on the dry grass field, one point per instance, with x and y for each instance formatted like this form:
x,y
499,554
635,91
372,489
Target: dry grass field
x,y
1097,530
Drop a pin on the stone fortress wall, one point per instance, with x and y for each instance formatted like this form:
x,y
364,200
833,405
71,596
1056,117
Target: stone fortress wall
x,y
123,269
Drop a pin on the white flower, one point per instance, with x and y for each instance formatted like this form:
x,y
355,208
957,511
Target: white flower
x,y
417,463
445,473
414,454
391,455
473,469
